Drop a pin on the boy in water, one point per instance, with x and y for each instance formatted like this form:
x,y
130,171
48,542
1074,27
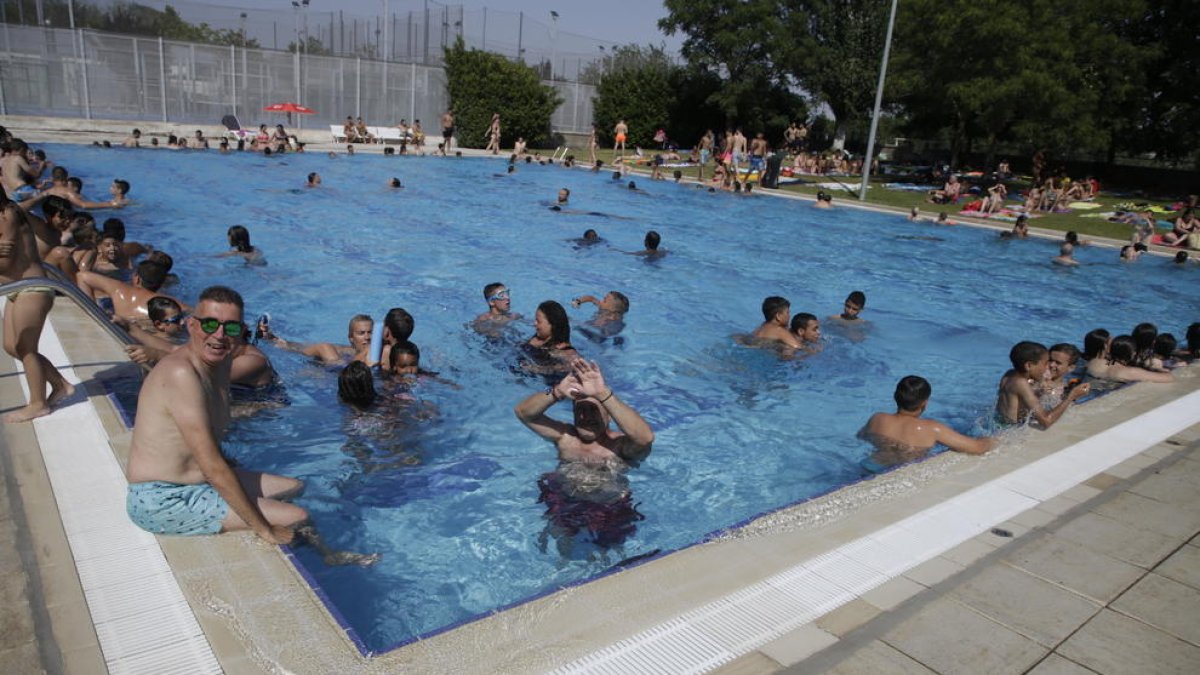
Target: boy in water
x,y
852,307
904,435
807,329
774,328
1063,357
1016,398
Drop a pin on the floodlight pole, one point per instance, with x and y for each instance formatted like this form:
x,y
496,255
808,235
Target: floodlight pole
x,y
887,45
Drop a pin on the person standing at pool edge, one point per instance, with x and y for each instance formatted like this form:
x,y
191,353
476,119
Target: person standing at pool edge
x,y
447,131
179,482
620,131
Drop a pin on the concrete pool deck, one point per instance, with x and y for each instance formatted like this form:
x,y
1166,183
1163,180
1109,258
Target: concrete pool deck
x,y
258,615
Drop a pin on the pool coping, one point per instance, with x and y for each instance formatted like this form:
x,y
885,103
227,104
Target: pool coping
x,y
230,638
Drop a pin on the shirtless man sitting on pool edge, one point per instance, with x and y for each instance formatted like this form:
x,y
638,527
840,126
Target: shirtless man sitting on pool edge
x,y
179,482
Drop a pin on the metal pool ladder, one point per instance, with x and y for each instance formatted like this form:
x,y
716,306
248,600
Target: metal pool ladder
x,y
56,282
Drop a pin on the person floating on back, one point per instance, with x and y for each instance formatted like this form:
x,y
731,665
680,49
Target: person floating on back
x,y
904,435
1016,399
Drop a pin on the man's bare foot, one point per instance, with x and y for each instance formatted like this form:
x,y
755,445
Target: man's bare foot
x,y
58,394
348,558
27,413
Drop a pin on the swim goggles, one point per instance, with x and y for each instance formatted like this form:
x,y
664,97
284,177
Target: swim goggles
x,y
232,328
502,295
178,318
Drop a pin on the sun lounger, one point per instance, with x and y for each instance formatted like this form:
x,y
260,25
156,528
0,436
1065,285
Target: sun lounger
x,y
339,135
390,134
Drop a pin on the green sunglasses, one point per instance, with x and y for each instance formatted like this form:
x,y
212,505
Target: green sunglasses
x,y
232,328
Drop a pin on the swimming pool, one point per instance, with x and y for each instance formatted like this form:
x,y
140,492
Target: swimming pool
x,y
452,501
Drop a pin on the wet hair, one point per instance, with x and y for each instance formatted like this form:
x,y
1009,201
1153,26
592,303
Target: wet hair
x,y
162,258
1122,350
1070,350
158,306
395,182
54,205
389,150
356,386
1026,352
152,275
122,186
621,299
616,175
1066,248
403,347
560,325
677,174
590,235
1094,343
566,190
137,132
1143,337
312,177
1193,339
223,295
800,321
59,173
1022,219
490,289
857,297
1140,247
1126,249
652,240
1181,257
632,185
239,238
772,305
360,318
84,218
1071,237
75,183
399,323
115,227
911,392
1164,346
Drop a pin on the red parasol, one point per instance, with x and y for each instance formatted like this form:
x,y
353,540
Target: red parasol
x,y
289,108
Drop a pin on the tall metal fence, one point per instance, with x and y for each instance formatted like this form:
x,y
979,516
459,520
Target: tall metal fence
x,y
82,73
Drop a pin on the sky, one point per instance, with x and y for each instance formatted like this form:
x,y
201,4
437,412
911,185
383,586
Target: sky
x,y
615,22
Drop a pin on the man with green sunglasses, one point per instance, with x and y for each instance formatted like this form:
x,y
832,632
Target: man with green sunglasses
x,y
179,481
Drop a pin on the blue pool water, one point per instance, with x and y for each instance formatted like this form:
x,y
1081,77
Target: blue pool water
x,y
449,493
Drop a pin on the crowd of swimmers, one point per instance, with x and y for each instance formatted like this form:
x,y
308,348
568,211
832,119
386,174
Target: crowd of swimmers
x,y
182,484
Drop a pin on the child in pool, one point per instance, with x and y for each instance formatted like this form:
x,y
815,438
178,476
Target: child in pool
x,y
1016,399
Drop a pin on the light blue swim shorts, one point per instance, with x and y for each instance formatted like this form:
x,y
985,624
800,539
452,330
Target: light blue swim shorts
x,y
22,193
170,508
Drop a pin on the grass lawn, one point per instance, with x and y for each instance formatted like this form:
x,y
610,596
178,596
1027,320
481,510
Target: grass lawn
x,y
905,200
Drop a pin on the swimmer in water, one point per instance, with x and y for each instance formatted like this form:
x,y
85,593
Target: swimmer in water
x,y
1066,255
851,308
1020,229
610,315
652,251
1063,357
589,238
904,435
807,329
395,183
589,439
314,179
499,314
774,329
358,349
1016,399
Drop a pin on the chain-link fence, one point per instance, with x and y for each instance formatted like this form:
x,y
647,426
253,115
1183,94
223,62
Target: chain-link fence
x,y
82,73
402,30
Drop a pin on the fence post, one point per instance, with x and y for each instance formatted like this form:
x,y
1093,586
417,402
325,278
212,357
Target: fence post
x,y
162,77
141,77
412,93
233,76
575,108
358,86
87,97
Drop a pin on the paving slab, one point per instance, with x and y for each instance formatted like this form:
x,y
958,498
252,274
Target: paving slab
x,y
1183,566
1164,604
1026,604
1151,514
798,645
877,657
1132,544
1075,567
1057,665
951,638
1114,644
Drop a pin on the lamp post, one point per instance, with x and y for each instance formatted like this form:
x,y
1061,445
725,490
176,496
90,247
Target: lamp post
x,y
553,41
867,161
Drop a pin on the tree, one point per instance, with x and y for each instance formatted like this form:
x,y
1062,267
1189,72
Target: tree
x,y
734,40
832,49
638,89
482,83
1171,124
314,47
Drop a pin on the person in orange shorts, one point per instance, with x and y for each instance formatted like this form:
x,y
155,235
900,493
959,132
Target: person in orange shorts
x,y
621,130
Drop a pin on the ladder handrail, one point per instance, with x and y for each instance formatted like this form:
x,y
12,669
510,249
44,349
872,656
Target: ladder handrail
x,y
85,303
